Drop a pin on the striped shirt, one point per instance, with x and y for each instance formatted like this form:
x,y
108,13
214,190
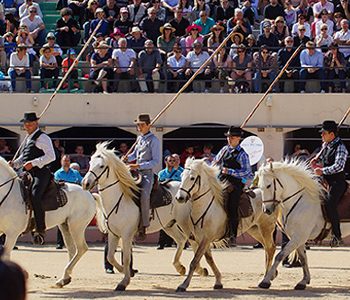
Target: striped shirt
x,y
341,156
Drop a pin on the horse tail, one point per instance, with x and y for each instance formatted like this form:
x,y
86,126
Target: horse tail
x,y
293,257
100,218
221,244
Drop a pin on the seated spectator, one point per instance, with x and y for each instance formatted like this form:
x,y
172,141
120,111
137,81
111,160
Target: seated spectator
x,y
199,5
305,9
23,10
343,9
56,49
208,154
104,28
337,19
123,23
195,59
318,7
89,15
251,44
81,158
149,61
169,172
137,11
242,65
77,8
290,13
35,26
160,10
193,32
261,6
111,10
176,64
137,40
237,39
9,44
204,22
323,21
125,63
101,71
342,38
311,62
123,149
273,10
216,37
239,24
20,67
4,148
170,7
48,68
166,40
179,23
114,38
66,64
222,67
66,173
300,38
151,25
335,67
249,12
268,38
186,7
292,72
224,12
67,30
11,23
265,64
188,152
323,40
302,22
280,30
24,37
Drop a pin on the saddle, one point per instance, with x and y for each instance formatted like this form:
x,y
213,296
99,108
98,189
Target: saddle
x,y
53,198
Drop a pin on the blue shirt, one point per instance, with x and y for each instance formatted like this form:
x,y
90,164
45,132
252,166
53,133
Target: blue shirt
x,y
174,174
311,61
72,176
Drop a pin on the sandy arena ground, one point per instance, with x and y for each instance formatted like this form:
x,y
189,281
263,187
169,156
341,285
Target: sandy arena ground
x,y
241,267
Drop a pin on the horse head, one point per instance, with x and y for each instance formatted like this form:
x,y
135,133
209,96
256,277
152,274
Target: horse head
x,y
98,171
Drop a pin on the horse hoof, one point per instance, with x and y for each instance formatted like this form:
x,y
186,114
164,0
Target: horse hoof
x,y
180,290
205,272
264,285
218,286
67,281
182,271
120,287
133,272
300,287
59,285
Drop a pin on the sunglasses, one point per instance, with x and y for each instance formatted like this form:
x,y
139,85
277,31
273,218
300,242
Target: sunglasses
x,y
324,29
32,11
302,29
265,52
279,22
171,161
240,51
217,29
194,29
289,42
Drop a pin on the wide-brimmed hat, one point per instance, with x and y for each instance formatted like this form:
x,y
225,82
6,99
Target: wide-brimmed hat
x,y
50,35
219,26
167,26
29,117
240,35
142,118
116,32
135,29
99,10
234,131
330,126
195,26
123,10
103,45
279,18
42,50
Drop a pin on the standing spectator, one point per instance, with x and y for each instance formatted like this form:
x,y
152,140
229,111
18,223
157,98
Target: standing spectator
x,y
268,38
292,72
35,25
104,28
242,65
137,11
193,35
239,24
343,8
56,49
151,25
166,41
195,59
342,38
124,62
224,12
301,21
273,10
101,71
150,62
80,158
123,23
301,38
160,10
323,21
48,68
66,64
67,30
280,30
311,62
199,5
20,67
137,40
323,39
111,12
175,69
23,10
179,22
204,22
216,37
290,13
265,65
335,66
77,8
318,7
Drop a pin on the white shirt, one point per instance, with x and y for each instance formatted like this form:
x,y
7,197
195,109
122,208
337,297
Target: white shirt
x,y
32,25
307,29
175,64
318,7
23,10
124,58
196,61
16,62
44,143
343,36
330,26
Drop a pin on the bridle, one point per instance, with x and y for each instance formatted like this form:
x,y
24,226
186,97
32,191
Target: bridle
x,y
188,192
97,177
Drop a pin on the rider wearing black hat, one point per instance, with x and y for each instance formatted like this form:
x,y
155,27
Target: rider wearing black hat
x,y
333,157
35,156
235,168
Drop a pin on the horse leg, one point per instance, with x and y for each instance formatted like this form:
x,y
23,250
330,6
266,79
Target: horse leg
x,y
199,270
202,248
211,263
303,260
68,241
77,232
127,244
180,244
113,242
10,242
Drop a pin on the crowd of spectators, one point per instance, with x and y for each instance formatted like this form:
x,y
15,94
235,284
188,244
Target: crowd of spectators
x,y
145,43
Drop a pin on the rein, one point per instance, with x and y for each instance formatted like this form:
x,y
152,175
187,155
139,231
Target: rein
x,y
9,191
116,208
201,219
97,177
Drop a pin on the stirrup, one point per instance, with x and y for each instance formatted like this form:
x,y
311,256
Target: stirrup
x,y
38,238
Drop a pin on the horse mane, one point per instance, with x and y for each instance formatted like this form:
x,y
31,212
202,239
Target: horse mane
x,y
301,172
4,164
127,182
212,172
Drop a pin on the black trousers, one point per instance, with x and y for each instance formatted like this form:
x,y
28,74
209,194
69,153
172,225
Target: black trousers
x,y
164,239
232,207
60,240
336,191
41,181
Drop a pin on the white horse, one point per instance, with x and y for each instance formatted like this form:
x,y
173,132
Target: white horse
x,y
72,218
117,189
292,187
200,185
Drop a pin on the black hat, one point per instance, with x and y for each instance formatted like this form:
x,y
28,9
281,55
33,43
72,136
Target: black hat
x,y
330,126
29,117
234,131
143,118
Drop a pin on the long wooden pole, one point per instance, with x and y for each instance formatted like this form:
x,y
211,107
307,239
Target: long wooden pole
x,y
188,82
271,86
344,117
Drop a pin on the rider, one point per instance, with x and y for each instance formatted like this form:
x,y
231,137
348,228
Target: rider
x,y
147,155
235,168
35,157
333,156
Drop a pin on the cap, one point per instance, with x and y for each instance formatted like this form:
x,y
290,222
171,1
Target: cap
x,y
143,118
29,117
